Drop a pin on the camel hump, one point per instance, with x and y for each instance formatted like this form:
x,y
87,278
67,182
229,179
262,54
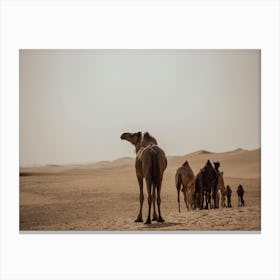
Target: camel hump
x,y
148,139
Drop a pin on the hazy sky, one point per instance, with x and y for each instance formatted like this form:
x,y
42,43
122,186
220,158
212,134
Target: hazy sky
x,y
74,104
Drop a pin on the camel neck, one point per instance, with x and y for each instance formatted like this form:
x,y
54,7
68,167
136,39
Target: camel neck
x,y
137,148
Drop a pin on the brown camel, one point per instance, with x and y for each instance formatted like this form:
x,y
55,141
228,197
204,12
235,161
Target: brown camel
x,y
185,177
221,189
228,195
150,164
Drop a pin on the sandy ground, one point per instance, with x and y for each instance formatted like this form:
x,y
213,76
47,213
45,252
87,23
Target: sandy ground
x,y
104,196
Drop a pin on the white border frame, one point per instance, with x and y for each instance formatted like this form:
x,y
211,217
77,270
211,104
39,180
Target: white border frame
x,y
139,24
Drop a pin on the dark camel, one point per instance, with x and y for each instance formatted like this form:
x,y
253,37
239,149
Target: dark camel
x,y
206,183
240,193
185,178
150,164
228,195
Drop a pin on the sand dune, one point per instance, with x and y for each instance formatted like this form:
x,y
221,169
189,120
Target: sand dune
x,y
104,196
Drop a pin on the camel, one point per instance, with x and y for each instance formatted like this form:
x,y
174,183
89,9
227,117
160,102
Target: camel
x,y
221,189
185,177
228,195
150,164
206,184
240,193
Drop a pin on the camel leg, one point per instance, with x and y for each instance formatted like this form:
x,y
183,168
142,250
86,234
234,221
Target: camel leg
x,y
160,219
154,205
242,201
194,201
149,186
207,196
141,199
216,200
223,200
229,202
218,197
208,200
190,199
214,197
186,199
201,200
211,199
178,190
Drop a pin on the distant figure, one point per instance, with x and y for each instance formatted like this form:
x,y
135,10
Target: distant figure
x,y
228,194
185,178
240,193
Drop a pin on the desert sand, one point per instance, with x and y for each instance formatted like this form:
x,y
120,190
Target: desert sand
x,y
105,196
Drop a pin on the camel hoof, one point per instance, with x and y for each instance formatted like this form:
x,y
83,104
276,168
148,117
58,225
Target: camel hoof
x,y
154,218
160,220
139,220
148,222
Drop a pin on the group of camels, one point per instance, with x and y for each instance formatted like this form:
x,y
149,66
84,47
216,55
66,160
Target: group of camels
x,y
201,191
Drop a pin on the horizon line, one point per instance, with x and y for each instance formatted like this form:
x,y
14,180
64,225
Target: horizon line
x,y
115,159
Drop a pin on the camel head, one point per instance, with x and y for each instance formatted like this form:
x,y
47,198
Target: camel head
x,y
133,138
217,165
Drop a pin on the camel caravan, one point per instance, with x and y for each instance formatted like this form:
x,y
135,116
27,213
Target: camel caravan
x,y
203,191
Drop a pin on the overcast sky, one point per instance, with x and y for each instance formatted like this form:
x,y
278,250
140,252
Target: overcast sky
x,y
74,104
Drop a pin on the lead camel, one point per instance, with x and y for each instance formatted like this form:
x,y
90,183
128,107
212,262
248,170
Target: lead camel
x,y
150,164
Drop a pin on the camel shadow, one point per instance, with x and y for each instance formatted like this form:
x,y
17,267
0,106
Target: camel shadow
x,y
161,225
